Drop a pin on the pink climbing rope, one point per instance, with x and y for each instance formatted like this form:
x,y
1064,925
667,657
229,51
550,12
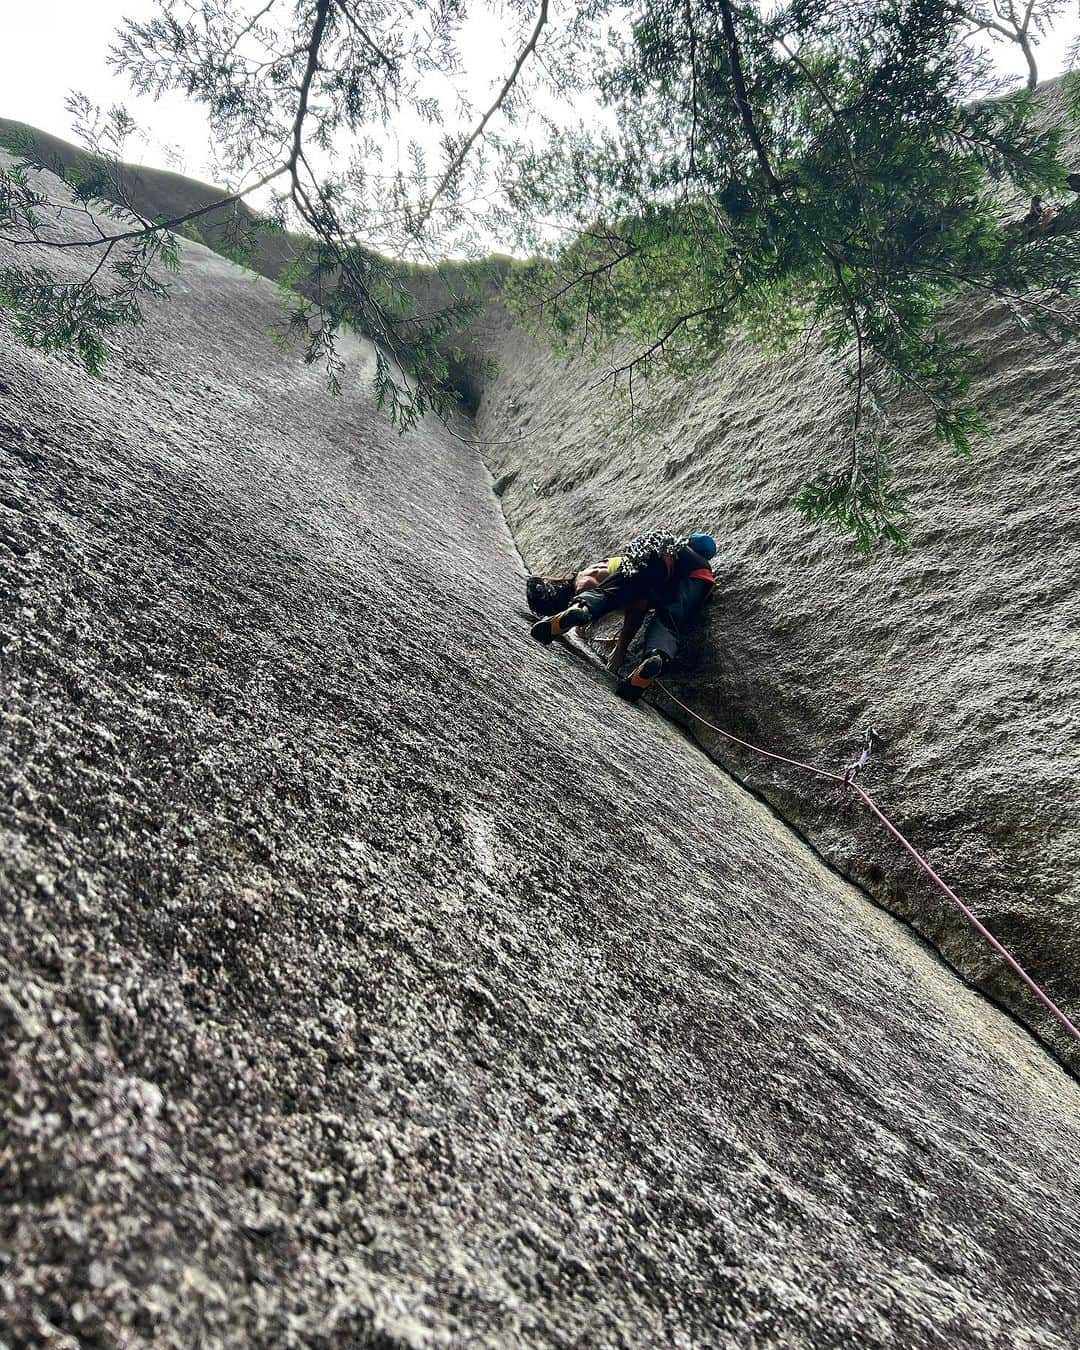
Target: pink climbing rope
x,y
846,781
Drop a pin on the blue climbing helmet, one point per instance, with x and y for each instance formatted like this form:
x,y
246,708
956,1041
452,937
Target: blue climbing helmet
x,y
704,544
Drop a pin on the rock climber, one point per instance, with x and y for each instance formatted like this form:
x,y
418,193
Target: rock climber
x,y
667,573
552,594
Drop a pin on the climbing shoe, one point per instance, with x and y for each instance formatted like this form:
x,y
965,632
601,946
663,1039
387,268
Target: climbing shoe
x,y
547,630
641,677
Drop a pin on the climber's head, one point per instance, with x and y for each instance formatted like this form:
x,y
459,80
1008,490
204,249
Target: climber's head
x,y
549,595
704,544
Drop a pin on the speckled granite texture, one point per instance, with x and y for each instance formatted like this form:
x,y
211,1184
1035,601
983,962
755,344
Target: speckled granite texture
x,y
370,976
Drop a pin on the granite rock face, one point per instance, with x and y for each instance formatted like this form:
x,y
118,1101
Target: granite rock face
x,y
965,652
361,980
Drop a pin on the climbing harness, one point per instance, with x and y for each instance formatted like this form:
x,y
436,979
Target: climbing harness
x,y
872,741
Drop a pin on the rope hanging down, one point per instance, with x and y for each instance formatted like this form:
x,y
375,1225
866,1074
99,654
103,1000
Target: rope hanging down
x,y
847,781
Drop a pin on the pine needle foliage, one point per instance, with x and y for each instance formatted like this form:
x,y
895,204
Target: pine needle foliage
x,y
778,170
825,167
303,99
74,315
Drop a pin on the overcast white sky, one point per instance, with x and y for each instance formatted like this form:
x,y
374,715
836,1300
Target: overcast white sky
x,y
50,47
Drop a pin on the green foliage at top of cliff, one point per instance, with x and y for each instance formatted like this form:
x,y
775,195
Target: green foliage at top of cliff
x,y
784,170
811,168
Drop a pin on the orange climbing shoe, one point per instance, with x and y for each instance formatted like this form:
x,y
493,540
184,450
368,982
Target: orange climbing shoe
x,y
547,630
641,677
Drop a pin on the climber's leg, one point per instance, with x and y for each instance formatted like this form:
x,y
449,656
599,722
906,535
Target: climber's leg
x,y
589,606
678,606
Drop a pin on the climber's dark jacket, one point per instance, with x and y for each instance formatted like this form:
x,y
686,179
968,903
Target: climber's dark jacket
x,y
664,569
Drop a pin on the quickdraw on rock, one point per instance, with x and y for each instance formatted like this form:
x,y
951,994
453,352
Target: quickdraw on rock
x,y
871,742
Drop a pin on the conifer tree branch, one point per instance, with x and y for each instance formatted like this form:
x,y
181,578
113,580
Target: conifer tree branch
x,y
344,8
322,12
151,227
253,23
458,159
692,35
742,98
